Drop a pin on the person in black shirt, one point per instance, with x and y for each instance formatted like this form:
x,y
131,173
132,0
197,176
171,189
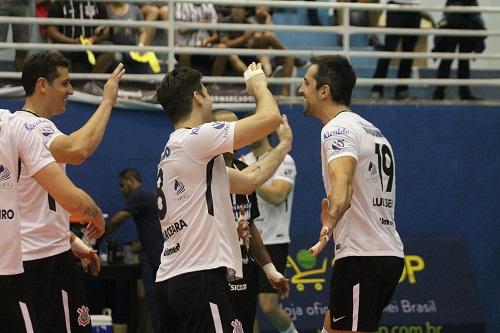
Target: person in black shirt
x,y
141,205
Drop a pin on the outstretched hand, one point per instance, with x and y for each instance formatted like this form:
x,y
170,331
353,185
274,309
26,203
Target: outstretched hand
x,y
285,132
254,78
110,92
326,230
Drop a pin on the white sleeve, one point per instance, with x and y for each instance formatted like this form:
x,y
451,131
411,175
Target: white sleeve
x,y
210,140
32,150
338,141
49,132
286,171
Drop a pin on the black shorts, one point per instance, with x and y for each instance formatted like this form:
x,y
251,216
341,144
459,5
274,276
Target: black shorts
x,y
196,302
56,295
14,314
360,289
278,254
244,293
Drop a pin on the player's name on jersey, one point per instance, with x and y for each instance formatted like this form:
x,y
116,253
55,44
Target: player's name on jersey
x,y
382,202
7,214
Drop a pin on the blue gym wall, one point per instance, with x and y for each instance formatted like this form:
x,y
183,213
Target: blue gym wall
x,y
448,172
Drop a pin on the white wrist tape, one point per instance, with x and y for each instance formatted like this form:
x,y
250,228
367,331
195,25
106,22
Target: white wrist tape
x,y
271,272
250,74
79,246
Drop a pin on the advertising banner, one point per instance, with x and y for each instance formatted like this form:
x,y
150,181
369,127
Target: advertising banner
x,y
436,292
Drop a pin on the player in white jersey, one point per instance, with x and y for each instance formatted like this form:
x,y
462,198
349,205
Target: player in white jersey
x,y
22,145
275,199
360,182
255,257
45,228
201,251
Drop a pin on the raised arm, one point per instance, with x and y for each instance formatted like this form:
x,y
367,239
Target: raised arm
x,y
267,115
116,221
79,145
78,203
256,174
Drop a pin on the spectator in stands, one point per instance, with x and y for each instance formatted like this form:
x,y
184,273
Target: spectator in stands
x,y
65,34
42,11
128,35
398,19
197,13
153,12
312,16
449,44
254,40
361,18
21,33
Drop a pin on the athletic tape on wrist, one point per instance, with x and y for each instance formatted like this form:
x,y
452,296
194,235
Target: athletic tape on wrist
x,y
250,74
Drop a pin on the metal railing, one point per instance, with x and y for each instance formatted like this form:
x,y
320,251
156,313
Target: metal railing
x,y
346,30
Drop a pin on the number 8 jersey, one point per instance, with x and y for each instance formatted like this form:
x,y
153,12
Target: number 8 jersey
x,y
367,228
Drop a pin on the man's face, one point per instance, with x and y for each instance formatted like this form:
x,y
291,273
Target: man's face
x,y
59,90
125,187
308,90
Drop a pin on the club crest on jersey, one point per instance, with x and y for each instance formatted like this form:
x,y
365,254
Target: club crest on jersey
x,y
237,326
83,316
218,125
6,180
47,131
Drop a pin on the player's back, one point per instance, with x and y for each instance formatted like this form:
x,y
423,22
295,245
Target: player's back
x,y
194,204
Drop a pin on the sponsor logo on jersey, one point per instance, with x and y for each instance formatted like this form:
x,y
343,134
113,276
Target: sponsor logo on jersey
x,y
166,153
83,316
171,250
372,173
237,326
174,228
338,144
6,180
31,126
373,132
46,155
238,287
218,125
385,221
4,173
335,132
7,214
195,130
180,189
47,131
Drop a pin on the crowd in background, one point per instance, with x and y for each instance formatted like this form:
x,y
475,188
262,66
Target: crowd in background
x,y
283,66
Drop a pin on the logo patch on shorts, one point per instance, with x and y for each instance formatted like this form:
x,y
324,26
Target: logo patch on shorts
x,y
237,326
83,316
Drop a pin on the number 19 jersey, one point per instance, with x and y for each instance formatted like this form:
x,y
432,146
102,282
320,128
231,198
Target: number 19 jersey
x,y
368,227
194,203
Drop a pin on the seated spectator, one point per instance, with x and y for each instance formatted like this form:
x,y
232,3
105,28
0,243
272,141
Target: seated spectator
x,y
21,33
65,34
199,13
254,40
464,44
126,35
153,12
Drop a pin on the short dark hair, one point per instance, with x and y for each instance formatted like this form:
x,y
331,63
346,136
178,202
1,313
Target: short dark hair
x,y
175,92
43,64
337,73
130,173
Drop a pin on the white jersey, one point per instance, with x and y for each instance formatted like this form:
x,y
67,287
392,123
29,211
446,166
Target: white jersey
x,y
18,143
45,224
274,221
194,203
367,227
